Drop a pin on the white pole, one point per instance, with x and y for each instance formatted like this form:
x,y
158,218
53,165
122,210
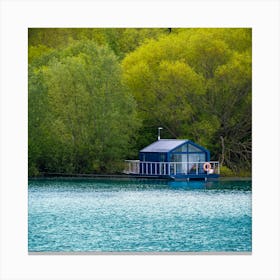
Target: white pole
x,y
159,129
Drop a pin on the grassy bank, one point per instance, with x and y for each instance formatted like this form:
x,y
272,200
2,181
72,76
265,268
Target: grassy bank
x,y
226,172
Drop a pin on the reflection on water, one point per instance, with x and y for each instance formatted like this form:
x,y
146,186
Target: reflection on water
x,y
139,216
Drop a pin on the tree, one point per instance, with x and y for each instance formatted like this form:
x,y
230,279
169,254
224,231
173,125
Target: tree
x,y
197,84
91,116
231,104
120,40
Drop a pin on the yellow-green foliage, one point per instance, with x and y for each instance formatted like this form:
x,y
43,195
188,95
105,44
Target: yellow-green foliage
x,y
87,117
196,83
226,172
97,95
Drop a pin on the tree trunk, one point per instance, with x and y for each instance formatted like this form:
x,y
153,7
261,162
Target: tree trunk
x,y
223,149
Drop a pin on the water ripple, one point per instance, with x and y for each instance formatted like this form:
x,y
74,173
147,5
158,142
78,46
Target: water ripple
x,y
132,216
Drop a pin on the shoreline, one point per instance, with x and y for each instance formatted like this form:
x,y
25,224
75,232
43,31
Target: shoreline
x,y
120,176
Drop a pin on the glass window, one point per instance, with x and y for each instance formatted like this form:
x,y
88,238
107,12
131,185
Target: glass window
x,y
182,149
176,158
192,149
197,157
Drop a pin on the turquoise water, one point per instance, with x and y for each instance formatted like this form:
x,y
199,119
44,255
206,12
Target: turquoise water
x,y
139,216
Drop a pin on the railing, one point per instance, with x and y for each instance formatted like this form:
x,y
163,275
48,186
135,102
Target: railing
x,y
170,168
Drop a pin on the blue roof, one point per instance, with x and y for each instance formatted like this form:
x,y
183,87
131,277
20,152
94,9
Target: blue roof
x,y
163,146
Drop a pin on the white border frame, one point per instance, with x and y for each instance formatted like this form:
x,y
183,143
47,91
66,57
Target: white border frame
x,y
17,16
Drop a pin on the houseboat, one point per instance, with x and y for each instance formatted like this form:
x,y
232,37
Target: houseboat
x,y
174,159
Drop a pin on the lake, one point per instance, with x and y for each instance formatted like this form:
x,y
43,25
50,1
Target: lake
x,y
96,215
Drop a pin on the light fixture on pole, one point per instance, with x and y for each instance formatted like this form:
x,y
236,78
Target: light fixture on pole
x,y
159,129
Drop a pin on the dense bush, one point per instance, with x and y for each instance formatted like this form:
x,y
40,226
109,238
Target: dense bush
x,y
97,96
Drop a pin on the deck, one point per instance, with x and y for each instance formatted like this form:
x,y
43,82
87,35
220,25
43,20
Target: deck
x,y
174,170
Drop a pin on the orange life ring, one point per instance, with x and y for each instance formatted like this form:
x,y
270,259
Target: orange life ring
x,y
206,166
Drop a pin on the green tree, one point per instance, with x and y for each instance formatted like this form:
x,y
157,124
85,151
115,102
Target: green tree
x,y
37,115
231,105
90,116
120,40
196,83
